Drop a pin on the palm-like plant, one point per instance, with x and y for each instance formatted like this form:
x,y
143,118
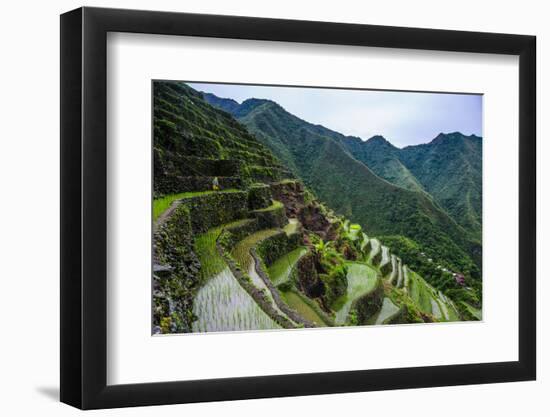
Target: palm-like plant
x,y
327,254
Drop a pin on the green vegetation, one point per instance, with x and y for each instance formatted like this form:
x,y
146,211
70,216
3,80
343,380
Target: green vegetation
x,y
280,271
429,300
297,301
223,305
193,139
448,168
276,205
291,227
382,158
387,312
362,279
475,312
250,246
160,205
205,247
241,252
317,156
433,267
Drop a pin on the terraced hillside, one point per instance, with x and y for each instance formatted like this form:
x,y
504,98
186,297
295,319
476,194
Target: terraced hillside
x,y
316,155
195,143
260,252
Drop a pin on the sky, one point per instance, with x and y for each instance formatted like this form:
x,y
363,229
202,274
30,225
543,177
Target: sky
x,y
403,118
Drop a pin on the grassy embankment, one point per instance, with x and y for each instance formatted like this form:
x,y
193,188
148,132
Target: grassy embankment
x,y
160,205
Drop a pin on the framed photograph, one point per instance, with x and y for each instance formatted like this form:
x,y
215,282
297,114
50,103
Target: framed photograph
x,y
256,208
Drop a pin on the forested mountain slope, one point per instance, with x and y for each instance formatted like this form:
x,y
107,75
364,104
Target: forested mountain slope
x,y
383,159
448,168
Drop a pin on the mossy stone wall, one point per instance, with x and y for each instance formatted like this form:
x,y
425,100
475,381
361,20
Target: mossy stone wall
x,y
259,196
308,278
176,279
386,268
171,184
211,210
286,188
273,247
369,305
272,217
267,174
233,235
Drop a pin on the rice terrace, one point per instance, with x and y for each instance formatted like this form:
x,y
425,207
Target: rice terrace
x,y
263,220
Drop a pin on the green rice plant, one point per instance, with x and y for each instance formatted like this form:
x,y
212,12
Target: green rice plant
x,y
296,302
276,205
160,205
205,248
241,252
223,305
387,312
362,279
291,227
281,269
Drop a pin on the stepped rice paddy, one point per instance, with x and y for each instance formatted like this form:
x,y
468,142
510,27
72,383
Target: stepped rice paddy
x,y
362,279
222,305
393,274
476,312
297,302
241,253
364,242
160,205
292,226
429,300
375,249
385,255
205,247
280,271
388,310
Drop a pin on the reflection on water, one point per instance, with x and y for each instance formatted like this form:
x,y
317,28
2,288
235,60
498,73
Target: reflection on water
x,y
223,305
361,280
388,309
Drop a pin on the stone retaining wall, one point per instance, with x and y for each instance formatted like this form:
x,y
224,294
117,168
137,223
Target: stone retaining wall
x,y
234,234
275,293
175,274
259,297
272,217
173,184
212,210
369,304
273,247
259,196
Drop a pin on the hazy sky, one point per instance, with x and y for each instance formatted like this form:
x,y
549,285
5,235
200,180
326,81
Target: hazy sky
x,y
403,118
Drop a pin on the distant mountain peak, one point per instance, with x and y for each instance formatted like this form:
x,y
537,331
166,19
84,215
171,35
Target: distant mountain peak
x,y
378,139
213,96
226,104
443,137
257,101
251,104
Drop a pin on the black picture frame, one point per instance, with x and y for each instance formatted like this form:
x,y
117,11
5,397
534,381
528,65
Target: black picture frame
x,y
84,207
